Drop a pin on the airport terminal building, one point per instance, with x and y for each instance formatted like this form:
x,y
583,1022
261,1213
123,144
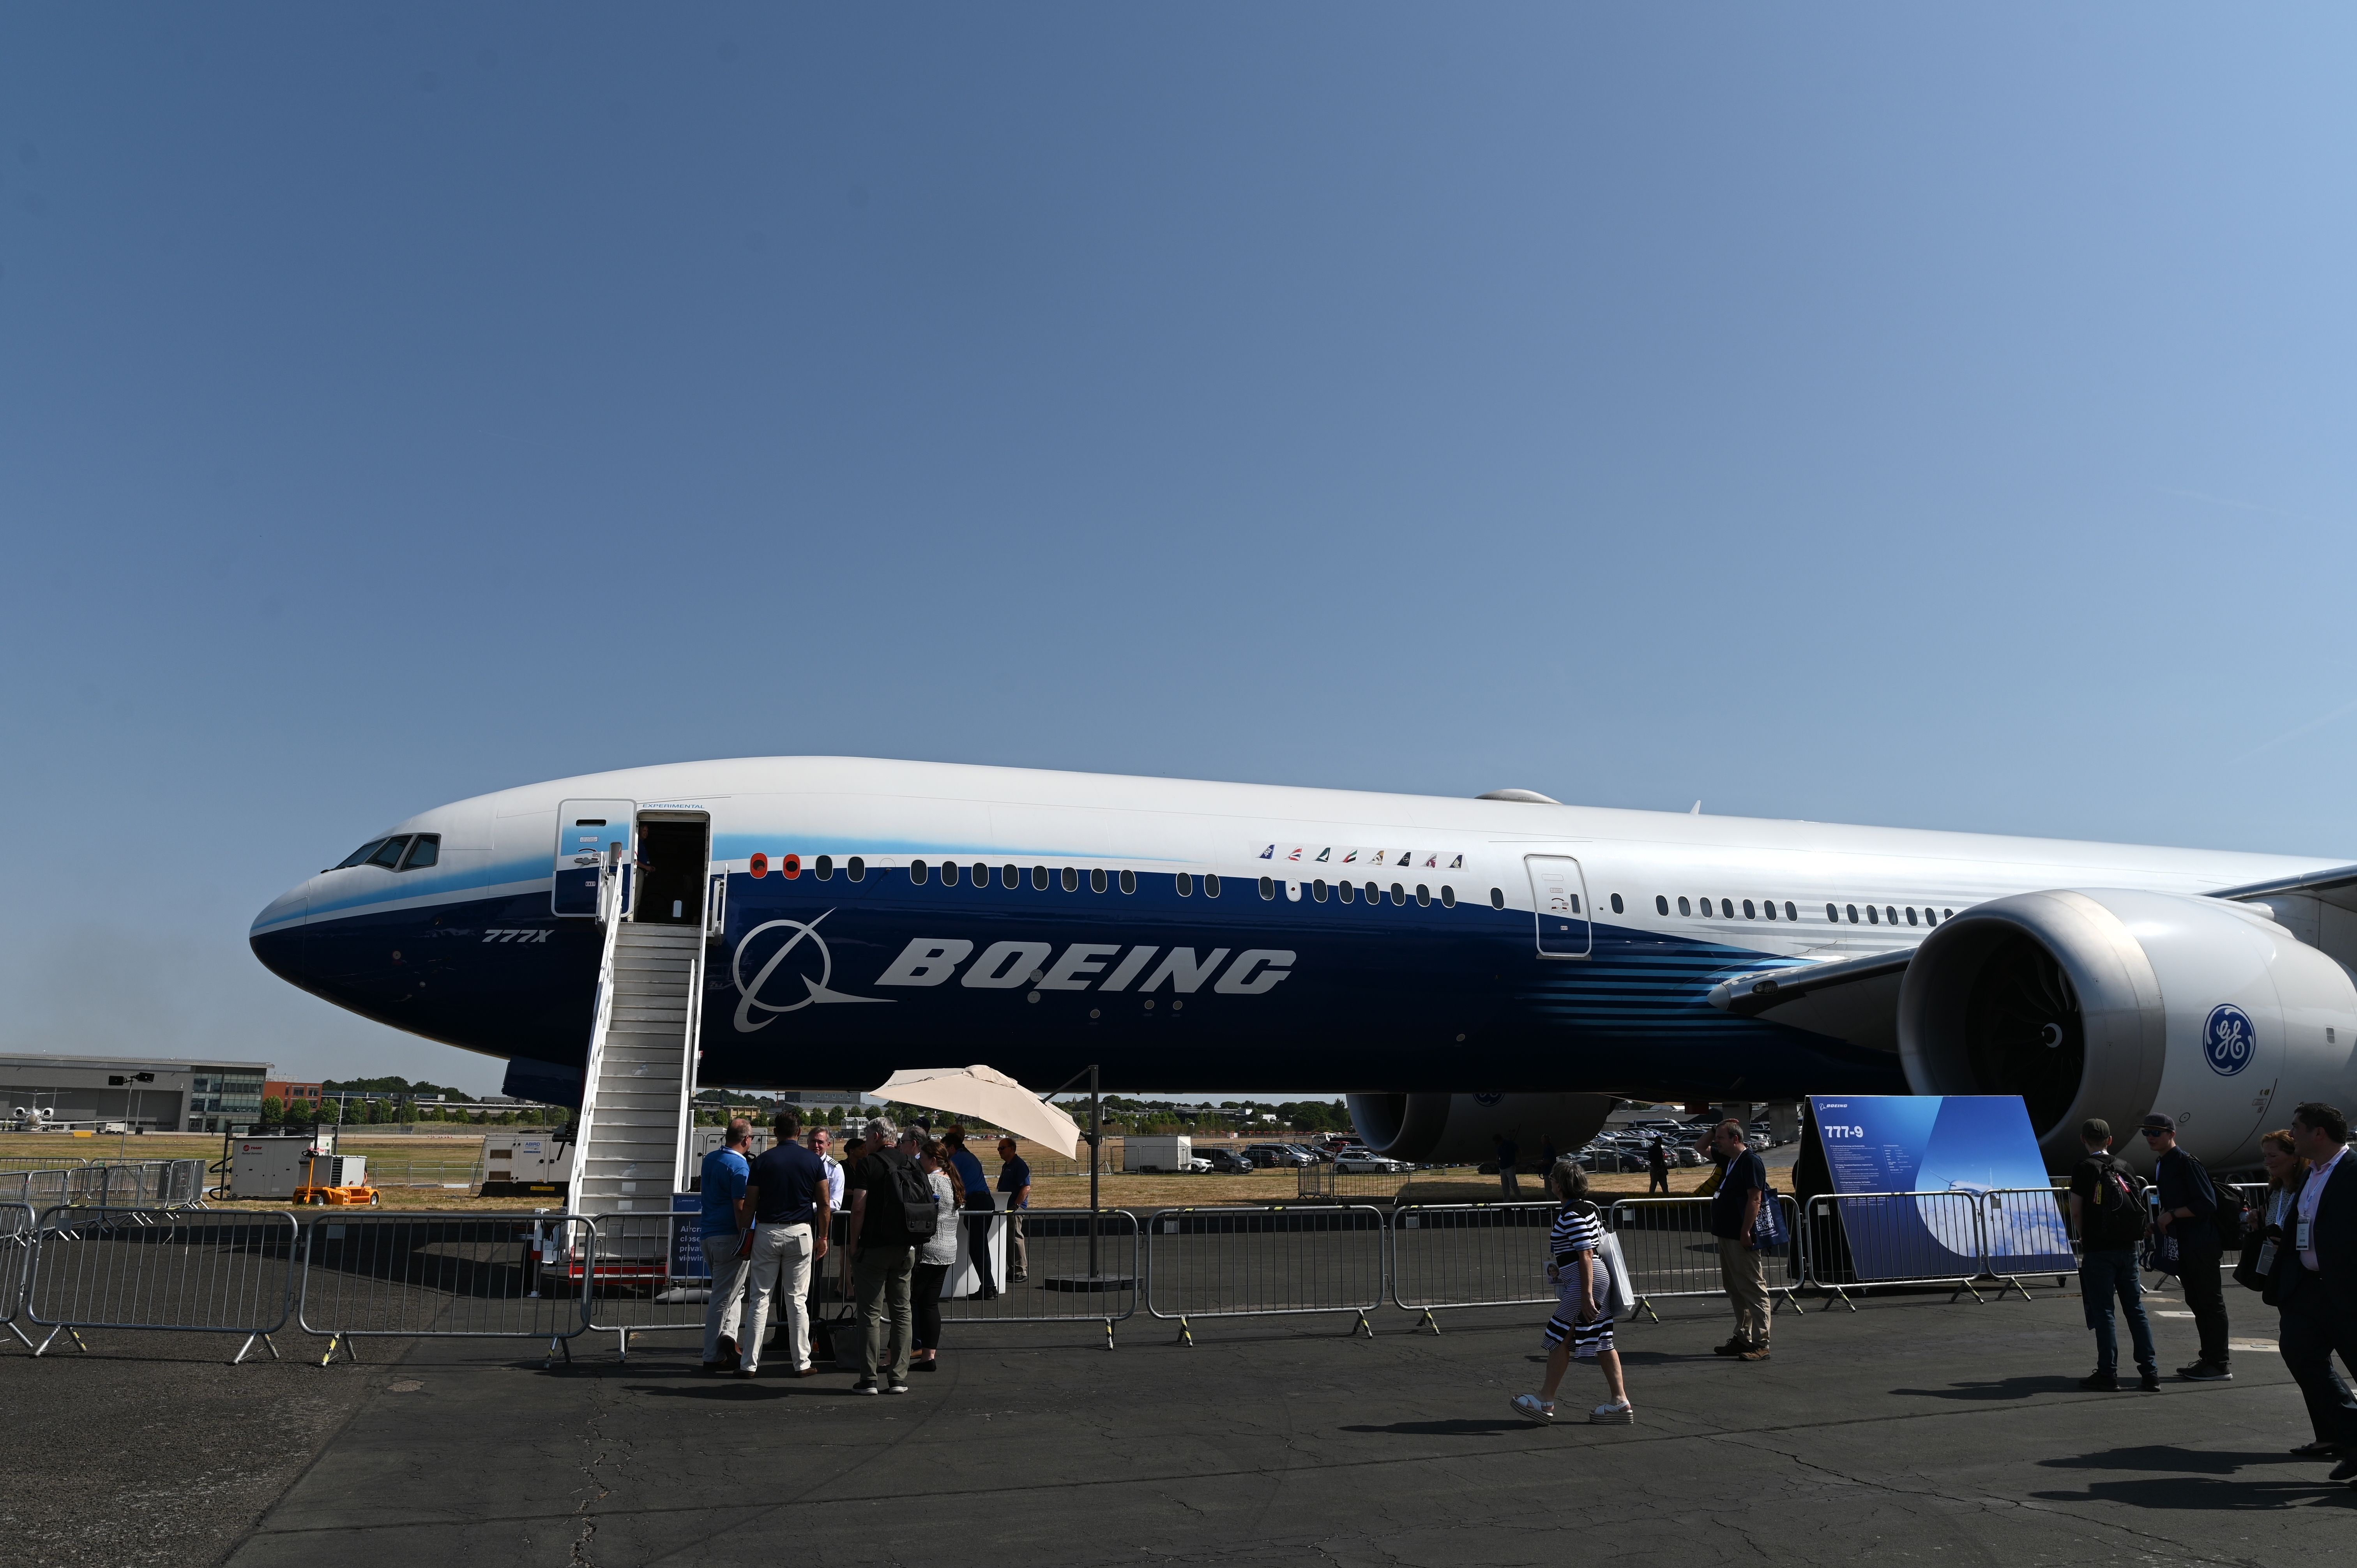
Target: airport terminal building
x,y
145,1093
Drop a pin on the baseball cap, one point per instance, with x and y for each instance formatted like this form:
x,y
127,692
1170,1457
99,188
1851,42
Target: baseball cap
x,y
2157,1122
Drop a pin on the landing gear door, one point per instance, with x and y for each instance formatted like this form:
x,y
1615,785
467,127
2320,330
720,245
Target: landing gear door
x,y
585,831
1559,897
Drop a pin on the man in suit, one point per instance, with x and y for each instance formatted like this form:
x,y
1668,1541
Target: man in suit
x,y
2315,1278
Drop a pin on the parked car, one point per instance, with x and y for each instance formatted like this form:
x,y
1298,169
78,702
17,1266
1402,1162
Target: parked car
x,y
1366,1162
1199,1165
1229,1161
1286,1154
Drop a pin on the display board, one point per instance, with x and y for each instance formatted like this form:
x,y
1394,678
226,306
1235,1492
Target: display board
x,y
1964,1161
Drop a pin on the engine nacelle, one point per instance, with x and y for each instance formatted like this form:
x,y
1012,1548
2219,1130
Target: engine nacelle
x,y
2115,1003
1451,1129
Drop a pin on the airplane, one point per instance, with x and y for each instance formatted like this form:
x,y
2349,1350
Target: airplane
x,y
1503,964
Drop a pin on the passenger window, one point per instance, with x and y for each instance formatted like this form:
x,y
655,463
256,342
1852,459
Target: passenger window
x,y
1832,914
360,855
1423,896
1268,887
1318,890
424,852
825,866
1447,896
1497,897
1872,918
1349,890
1375,894
857,868
1727,909
1010,876
1683,907
917,871
1853,913
1616,904
1746,911
1071,880
1768,908
1399,896
388,854
1891,914
1039,879
1186,885
949,873
1211,885
1129,881
1790,913
1096,879
1947,914
1910,914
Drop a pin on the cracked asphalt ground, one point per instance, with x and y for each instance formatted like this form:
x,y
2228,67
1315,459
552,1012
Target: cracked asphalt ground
x,y
1913,1431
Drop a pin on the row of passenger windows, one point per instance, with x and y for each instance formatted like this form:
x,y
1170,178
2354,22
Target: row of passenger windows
x,y
980,873
402,851
1875,915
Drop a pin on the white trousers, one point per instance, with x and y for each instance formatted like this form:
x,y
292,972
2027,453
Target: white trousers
x,y
781,1264
727,1305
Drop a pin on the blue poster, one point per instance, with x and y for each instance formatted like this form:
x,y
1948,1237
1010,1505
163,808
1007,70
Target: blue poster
x,y
687,1236
1975,1194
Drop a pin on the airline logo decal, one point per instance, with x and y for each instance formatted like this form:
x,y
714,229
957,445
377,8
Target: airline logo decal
x,y
1344,854
806,941
801,955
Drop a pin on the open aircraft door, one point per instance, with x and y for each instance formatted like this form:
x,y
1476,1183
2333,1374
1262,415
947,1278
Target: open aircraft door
x,y
585,830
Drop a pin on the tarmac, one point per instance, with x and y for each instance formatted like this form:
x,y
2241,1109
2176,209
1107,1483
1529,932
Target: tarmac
x,y
1914,1430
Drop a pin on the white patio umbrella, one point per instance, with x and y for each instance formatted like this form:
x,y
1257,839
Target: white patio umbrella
x,y
988,1095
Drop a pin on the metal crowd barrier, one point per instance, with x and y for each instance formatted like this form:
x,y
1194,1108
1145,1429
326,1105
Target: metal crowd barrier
x,y
1896,1237
2027,1230
153,1268
1468,1254
446,1276
645,1274
16,1264
1670,1251
39,1188
11,1164
1265,1261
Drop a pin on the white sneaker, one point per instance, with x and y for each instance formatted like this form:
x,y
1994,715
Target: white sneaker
x,y
1621,1415
1532,1408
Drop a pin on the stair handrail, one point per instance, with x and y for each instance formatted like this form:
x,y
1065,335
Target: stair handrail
x,y
611,913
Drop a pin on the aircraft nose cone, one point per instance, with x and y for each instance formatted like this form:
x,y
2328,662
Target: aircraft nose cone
x,y
278,934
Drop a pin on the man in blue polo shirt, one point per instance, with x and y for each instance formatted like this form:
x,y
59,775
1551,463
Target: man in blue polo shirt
x,y
981,1210
726,1170
1014,1181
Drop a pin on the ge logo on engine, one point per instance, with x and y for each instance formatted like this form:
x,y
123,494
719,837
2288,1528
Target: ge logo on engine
x,y
2228,1040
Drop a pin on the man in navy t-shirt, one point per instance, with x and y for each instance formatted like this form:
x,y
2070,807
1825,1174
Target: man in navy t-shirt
x,y
1734,1221
723,1190
971,1177
786,1192
1014,1181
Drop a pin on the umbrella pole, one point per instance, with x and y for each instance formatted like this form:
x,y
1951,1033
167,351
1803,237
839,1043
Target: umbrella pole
x,y
1095,1134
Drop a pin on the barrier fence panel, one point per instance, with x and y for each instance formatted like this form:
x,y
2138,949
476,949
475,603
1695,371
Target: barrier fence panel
x,y
1060,1286
16,1264
184,1184
649,1275
1265,1261
1467,1254
445,1276
1669,1251
1896,1237
2027,1230
10,1165
153,1268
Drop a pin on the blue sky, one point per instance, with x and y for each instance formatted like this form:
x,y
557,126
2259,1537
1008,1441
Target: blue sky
x,y
1856,413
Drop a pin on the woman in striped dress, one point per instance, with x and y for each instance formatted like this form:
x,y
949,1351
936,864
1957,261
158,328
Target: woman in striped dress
x,y
1580,1326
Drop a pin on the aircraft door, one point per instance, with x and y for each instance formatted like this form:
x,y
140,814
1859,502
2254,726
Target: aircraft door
x,y
1560,897
585,831
674,855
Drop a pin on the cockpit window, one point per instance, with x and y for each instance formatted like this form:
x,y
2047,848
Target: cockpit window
x,y
359,856
424,852
388,854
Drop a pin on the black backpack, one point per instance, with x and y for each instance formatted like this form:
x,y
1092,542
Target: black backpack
x,y
916,1194
2228,1217
2119,1214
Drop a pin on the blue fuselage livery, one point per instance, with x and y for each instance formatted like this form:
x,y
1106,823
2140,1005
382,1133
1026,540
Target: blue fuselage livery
x,y
867,916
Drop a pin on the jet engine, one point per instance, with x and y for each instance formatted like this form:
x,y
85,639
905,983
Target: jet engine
x,y
2116,1003
1453,1129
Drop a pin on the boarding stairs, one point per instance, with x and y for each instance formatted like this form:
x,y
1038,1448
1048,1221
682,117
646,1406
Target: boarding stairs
x,y
630,1139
